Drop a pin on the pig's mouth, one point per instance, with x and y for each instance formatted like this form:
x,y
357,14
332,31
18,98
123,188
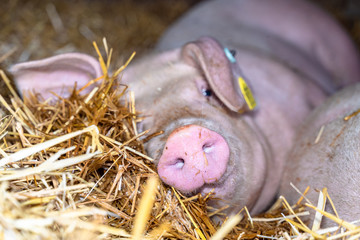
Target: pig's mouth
x,y
218,188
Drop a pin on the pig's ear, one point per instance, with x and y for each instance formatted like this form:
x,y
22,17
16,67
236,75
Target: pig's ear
x,y
56,74
208,55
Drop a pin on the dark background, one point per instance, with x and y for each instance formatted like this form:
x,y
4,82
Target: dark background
x,y
33,29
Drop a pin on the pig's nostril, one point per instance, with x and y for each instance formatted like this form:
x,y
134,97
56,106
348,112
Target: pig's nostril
x,y
179,163
207,148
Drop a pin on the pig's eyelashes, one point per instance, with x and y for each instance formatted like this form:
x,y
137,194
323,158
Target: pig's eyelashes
x,y
207,92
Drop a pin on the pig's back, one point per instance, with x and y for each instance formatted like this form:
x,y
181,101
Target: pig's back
x,y
284,29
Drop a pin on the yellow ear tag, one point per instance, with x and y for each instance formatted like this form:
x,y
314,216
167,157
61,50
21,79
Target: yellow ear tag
x,y
248,95
245,90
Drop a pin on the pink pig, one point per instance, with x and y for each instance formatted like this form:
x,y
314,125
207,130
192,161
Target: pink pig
x,y
326,153
289,57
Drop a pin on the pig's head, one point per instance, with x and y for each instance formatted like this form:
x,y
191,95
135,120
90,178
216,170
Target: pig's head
x,y
189,94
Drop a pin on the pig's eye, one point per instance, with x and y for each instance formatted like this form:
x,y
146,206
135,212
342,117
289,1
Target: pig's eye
x,y
207,92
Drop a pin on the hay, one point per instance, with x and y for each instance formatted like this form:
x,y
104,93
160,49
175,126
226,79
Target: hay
x,y
75,168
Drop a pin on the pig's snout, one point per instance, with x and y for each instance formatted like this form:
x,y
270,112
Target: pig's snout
x,y
192,157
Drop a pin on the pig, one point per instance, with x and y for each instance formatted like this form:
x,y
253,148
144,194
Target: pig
x,y
228,85
329,157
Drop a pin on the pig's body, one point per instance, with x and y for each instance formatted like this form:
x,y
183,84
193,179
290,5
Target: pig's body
x,y
333,161
292,54
296,33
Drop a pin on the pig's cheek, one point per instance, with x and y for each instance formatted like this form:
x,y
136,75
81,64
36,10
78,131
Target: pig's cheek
x,y
239,168
154,148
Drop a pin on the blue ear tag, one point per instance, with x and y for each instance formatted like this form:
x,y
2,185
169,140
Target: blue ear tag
x,y
229,55
244,88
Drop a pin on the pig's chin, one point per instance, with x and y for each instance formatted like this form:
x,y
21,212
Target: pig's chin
x,y
220,190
